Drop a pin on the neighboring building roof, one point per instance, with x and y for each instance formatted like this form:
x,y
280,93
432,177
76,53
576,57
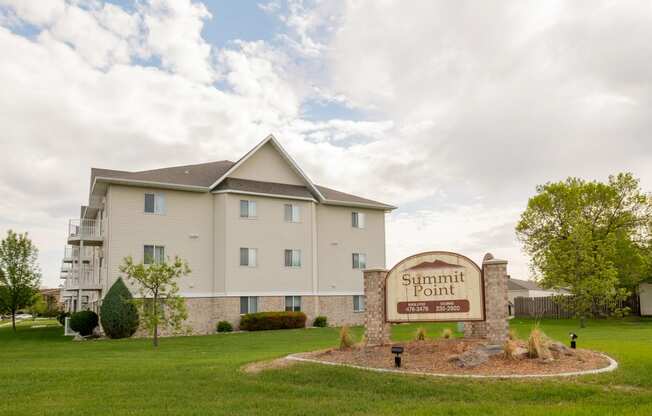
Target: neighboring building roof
x,y
258,187
209,176
516,284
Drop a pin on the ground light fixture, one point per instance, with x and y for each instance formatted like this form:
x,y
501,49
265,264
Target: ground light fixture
x,y
573,338
398,350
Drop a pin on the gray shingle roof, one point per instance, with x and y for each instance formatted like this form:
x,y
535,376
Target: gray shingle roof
x,y
271,188
205,175
516,284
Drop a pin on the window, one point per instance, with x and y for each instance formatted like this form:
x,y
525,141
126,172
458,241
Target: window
x,y
248,304
359,261
357,219
154,254
247,209
248,257
358,303
292,258
155,203
293,303
292,213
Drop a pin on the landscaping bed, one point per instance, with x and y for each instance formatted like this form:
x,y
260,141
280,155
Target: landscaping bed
x,y
464,357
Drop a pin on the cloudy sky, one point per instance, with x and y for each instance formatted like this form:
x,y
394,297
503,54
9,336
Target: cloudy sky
x,y
454,111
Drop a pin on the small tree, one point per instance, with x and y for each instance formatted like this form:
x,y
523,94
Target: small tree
x,y
20,276
119,315
159,303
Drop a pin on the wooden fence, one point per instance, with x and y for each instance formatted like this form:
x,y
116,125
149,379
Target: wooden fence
x,y
548,307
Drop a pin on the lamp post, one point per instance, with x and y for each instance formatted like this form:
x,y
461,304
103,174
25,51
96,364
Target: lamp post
x,y
398,351
573,338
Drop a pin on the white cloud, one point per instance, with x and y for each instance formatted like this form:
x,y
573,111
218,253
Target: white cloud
x,y
461,111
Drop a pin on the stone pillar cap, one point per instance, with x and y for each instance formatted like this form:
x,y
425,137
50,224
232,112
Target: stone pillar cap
x,y
374,270
495,261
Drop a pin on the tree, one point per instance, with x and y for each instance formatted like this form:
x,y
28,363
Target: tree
x,y
38,306
119,315
159,303
20,276
590,238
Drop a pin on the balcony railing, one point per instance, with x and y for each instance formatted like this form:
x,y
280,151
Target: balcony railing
x,y
82,275
71,253
85,229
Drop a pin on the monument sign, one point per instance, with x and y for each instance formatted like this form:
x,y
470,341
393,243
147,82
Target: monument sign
x,y
435,286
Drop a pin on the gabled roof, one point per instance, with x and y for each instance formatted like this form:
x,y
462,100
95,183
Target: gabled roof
x,y
214,176
272,140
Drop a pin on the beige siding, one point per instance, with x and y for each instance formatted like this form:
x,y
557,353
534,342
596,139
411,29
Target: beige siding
x,y
219,259
270,235
187,213
267,165
337,240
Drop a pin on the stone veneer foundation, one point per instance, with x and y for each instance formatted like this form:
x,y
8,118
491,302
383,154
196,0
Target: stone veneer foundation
x,y
205,313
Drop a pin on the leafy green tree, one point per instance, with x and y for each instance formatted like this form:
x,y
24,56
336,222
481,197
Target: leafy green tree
x,y
159,304
38,306
20,276
590,238
119,315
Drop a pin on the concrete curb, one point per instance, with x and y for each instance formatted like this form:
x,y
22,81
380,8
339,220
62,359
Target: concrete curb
x,y
613,364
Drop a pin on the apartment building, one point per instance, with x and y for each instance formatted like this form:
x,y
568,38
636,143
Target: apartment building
x,y
258,234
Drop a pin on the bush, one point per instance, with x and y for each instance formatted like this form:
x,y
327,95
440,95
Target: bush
x,y
224,326
447,333
62,317
119,316
510,348
262,321
320,322
84,322
346,341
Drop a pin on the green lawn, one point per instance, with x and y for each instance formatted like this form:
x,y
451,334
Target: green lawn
x,y
42,372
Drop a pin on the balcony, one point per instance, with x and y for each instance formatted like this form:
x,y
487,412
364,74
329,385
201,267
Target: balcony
x,y
71,254
81,277
86,231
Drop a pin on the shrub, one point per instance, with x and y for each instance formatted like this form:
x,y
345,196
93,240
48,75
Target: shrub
x,y
84,322
62,317
447,333
224,326
509,349
262,321
512,334
421,334
119,316
538,344
346,341
320,322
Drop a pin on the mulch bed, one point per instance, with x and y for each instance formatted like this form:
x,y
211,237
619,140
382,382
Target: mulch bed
x,y
438,356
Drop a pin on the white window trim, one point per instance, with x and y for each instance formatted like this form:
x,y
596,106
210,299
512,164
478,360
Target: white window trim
x,y
361,224
158,210
364,255
249,257
250,203
154,247
293,250
293,220
293,302
364,303
249,304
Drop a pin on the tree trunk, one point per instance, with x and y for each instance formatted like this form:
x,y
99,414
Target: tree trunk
x,y
13,320
155,309
156,335
582,322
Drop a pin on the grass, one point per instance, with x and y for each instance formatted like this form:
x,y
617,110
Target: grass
x,y
42,372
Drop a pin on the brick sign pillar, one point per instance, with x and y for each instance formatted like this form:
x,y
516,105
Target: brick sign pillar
x,y
495,327
377,329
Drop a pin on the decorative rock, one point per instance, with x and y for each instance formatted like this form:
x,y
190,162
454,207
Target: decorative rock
x,y
472,358
78,338
521,353
492,350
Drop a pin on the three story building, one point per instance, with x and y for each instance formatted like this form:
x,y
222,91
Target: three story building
x,y
258,234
